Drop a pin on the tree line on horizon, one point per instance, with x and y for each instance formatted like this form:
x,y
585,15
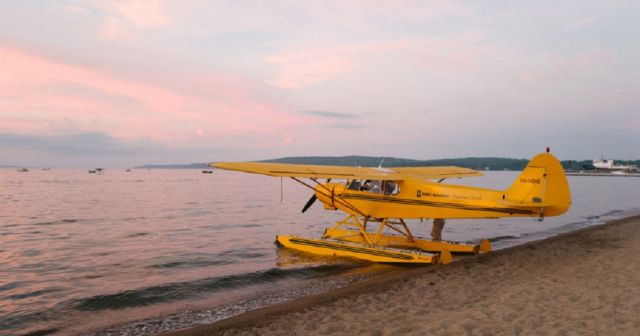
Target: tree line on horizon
x,y
477,163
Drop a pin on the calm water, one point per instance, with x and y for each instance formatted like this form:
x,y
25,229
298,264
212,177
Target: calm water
x,y
84,253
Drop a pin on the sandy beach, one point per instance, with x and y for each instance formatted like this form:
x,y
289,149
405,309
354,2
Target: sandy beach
x,y
580,283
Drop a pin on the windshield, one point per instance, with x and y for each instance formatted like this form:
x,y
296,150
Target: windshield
x,y
375,186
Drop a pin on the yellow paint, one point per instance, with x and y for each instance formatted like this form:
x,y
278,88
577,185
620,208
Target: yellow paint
x,y
387,196
341,172
330,248
399,241
540,190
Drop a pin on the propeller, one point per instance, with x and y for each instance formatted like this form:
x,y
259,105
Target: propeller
x,y
311,200
309,203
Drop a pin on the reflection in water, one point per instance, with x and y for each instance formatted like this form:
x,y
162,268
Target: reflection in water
x,y
79,250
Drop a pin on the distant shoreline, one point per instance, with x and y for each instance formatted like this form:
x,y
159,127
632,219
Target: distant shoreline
x,y
602,174
477,163
589,274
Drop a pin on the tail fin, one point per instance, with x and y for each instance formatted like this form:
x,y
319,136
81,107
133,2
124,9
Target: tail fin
x,y
543,185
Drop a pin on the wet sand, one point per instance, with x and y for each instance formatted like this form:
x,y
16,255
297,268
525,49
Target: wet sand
x,y
585,282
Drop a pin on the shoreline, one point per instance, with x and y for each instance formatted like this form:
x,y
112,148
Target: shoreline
x,y
423,299
603,174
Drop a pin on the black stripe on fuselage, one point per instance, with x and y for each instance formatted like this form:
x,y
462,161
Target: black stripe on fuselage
x,y
391,199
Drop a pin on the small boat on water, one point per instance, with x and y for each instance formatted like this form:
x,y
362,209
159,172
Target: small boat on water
x,y
207,171
96,171
608,166
23,170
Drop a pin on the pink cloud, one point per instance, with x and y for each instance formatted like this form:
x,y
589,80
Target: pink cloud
x,y
18,124
141,13
584,62
437,57
302,74
297,69
120,19
580,23
586,58
302,68
113,28
169,109
358,14
464,50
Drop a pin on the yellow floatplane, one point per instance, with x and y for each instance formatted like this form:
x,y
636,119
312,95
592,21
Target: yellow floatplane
x,y
377,200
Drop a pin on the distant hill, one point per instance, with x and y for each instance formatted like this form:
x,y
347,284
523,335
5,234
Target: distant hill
x,y
373,161
491,163
477,163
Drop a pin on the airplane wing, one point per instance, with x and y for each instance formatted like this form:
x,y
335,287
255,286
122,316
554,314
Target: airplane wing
x,y
310,171
344,172
436,173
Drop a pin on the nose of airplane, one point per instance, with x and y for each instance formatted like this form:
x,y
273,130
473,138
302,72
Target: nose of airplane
x,y
327,193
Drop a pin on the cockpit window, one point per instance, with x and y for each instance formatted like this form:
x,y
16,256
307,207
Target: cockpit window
x,y
355,185
390,188
375,186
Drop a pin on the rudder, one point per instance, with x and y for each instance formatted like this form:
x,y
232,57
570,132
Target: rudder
x,y
542,182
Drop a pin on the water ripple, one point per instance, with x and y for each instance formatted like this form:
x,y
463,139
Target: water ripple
x,y
57,222
183,290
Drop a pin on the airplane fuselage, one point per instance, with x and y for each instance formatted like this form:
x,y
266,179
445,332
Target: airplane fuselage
x,y
416,199
540,190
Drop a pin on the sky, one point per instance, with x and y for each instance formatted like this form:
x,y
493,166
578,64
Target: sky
x,y
125,83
